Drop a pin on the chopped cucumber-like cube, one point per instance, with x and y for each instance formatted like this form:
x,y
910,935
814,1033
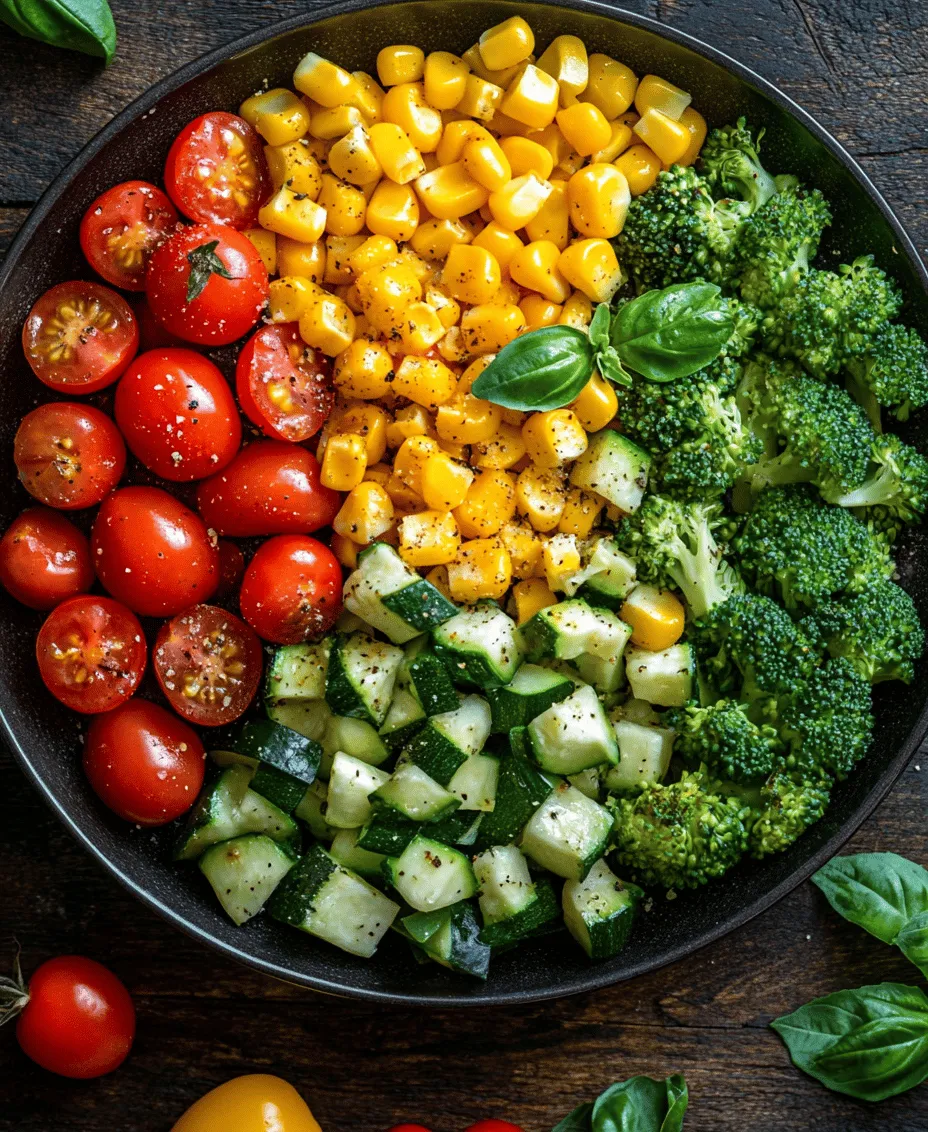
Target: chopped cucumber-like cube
x,y
573,734
361,676
448,739
568,833
520,790
313,809
615,468
479,646
405,717
451,937
244,872
416,795
351,783
664,678
297,672
431,683
475,781
386,594
644,755
588,782
346,851
227,808
430,875
389,832
573,628
512,905
605,675
354,737
600,910
532,690
307,717
606,576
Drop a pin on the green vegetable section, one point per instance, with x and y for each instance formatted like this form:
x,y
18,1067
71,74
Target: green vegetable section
x,y
77,25
640,1104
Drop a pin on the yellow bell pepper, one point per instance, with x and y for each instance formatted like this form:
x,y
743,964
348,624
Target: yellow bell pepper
x,y
254,1103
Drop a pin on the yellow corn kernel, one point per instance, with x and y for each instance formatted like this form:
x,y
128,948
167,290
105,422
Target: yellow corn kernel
x,y
524,546
591,267
303,260
364,370
553,220
514,417
487,328
404,498
540,497
502,77
327,324
348,293
293,215
598,197
375,251
486,163
335,122
443,305
577,311
620,138
669,139
444,79
438,576
294,166
480,98
504,450
353,159
655,93
565,60
433,239
489,504
531,596
420,329
473,371
323,82
560,557
338,251
398,157
539,312
551,139
400,63
344,206
504,127
580,513
536,267
444,482
464,419
344,550
527,156
554,437
597,404
369,97
585,127
278,115
343,462
500,242
393,211
519,202
506,44
412,420
456,137
640,166
422,270
266,246
366,514
378,473
449,192
385,292
451,348
471,274
532,98
427,381
482,570
509,294
656,617
611,87
410,460
290,297
697,127
405,106
367,421
429,538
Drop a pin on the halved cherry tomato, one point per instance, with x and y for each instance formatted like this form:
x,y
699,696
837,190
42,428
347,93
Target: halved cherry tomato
x,y
144,763
68,455
44,559
152,553
122,228
283,385
216,170
292,590
208,664
231,568
270,488
493,1126
178,414
257,1102
78,1020
79,337
207,284
91,653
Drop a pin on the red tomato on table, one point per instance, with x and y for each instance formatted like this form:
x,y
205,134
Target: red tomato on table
x,y
122,228
79,337
44,559
68,455
283,385
144,763
292,590
152,553
270,488
493,1126
178,415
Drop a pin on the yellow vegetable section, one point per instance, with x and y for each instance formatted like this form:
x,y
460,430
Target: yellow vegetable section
x,y
422,218
255,1103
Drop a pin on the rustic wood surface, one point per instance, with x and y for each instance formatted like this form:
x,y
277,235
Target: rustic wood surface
x,y
859,67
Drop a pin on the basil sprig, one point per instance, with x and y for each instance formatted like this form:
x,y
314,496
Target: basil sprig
x,y
76,25
639,1104
543,369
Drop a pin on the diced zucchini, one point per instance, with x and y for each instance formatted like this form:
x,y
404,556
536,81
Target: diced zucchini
x,y
448,739
388,832
405,717
615,468
588,782
573,628
312,809
479,646
533,689
346,851
451,937
606,576
328,901
306,717
286,762
360,679
429,681
644,755
350,785
475,781
512,905
600,910
354,737
573,734
297,672
415,795
606,676
385,593
520,791
664,678
568,833
244,873
430,875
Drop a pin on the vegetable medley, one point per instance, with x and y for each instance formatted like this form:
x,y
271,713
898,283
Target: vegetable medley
x,y
598,446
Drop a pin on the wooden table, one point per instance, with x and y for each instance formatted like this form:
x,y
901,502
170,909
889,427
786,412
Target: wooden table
x,y
202,1019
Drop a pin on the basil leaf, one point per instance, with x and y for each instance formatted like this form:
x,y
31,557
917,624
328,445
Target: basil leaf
x,y
668,334
76,25
879,892
576,1121
912,941
600,325
204,263
544,369
605,356
641,1104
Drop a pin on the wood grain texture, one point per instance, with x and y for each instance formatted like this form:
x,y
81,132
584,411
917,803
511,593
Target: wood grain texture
x,y
859,69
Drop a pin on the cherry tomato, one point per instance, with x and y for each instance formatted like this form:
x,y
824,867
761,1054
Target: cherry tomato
x,y
208,664
44,559
270,488
178,414
493,1126
144,763
91,653
257,1102
292,590
231,568
283,385
152,553
79,337
207,284
152,335
79,1020
68,455
216,170
409,1128
121,229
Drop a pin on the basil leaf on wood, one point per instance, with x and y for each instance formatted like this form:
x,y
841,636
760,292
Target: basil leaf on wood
x,y
544,369
576,1121
912,941
76,25
641,1104
880,892
204,263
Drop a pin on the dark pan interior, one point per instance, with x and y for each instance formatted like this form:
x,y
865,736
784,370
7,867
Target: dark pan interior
x,y
46,738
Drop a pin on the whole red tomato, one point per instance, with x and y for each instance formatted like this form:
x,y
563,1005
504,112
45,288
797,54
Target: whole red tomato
x,y
178,414
493,1126
122,228
78,1020
207,284
409,1128
292,590
44,559
283,385
152,553
144,763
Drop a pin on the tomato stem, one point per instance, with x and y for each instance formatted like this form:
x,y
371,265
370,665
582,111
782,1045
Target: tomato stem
x,y
13,992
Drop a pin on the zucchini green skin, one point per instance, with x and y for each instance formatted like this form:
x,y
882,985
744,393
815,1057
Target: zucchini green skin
x,y
287,761
434,753
244,872
511,708
389,833
520,791
433,686
543,911
341,693
472,665
452,938
420,605
284,790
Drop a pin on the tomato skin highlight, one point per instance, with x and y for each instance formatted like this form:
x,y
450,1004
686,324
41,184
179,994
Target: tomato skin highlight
x,y
44,559
177,414
144,763
69,456
284,386
152,553
231,569
270,488
256,1102
226,308
292,590
121,229
79,337
79,1021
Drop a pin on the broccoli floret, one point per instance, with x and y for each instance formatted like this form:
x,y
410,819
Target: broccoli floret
x,y
828,720
897,483
731,163
679,834
783,809
674,544
724,738
891,371
795,546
